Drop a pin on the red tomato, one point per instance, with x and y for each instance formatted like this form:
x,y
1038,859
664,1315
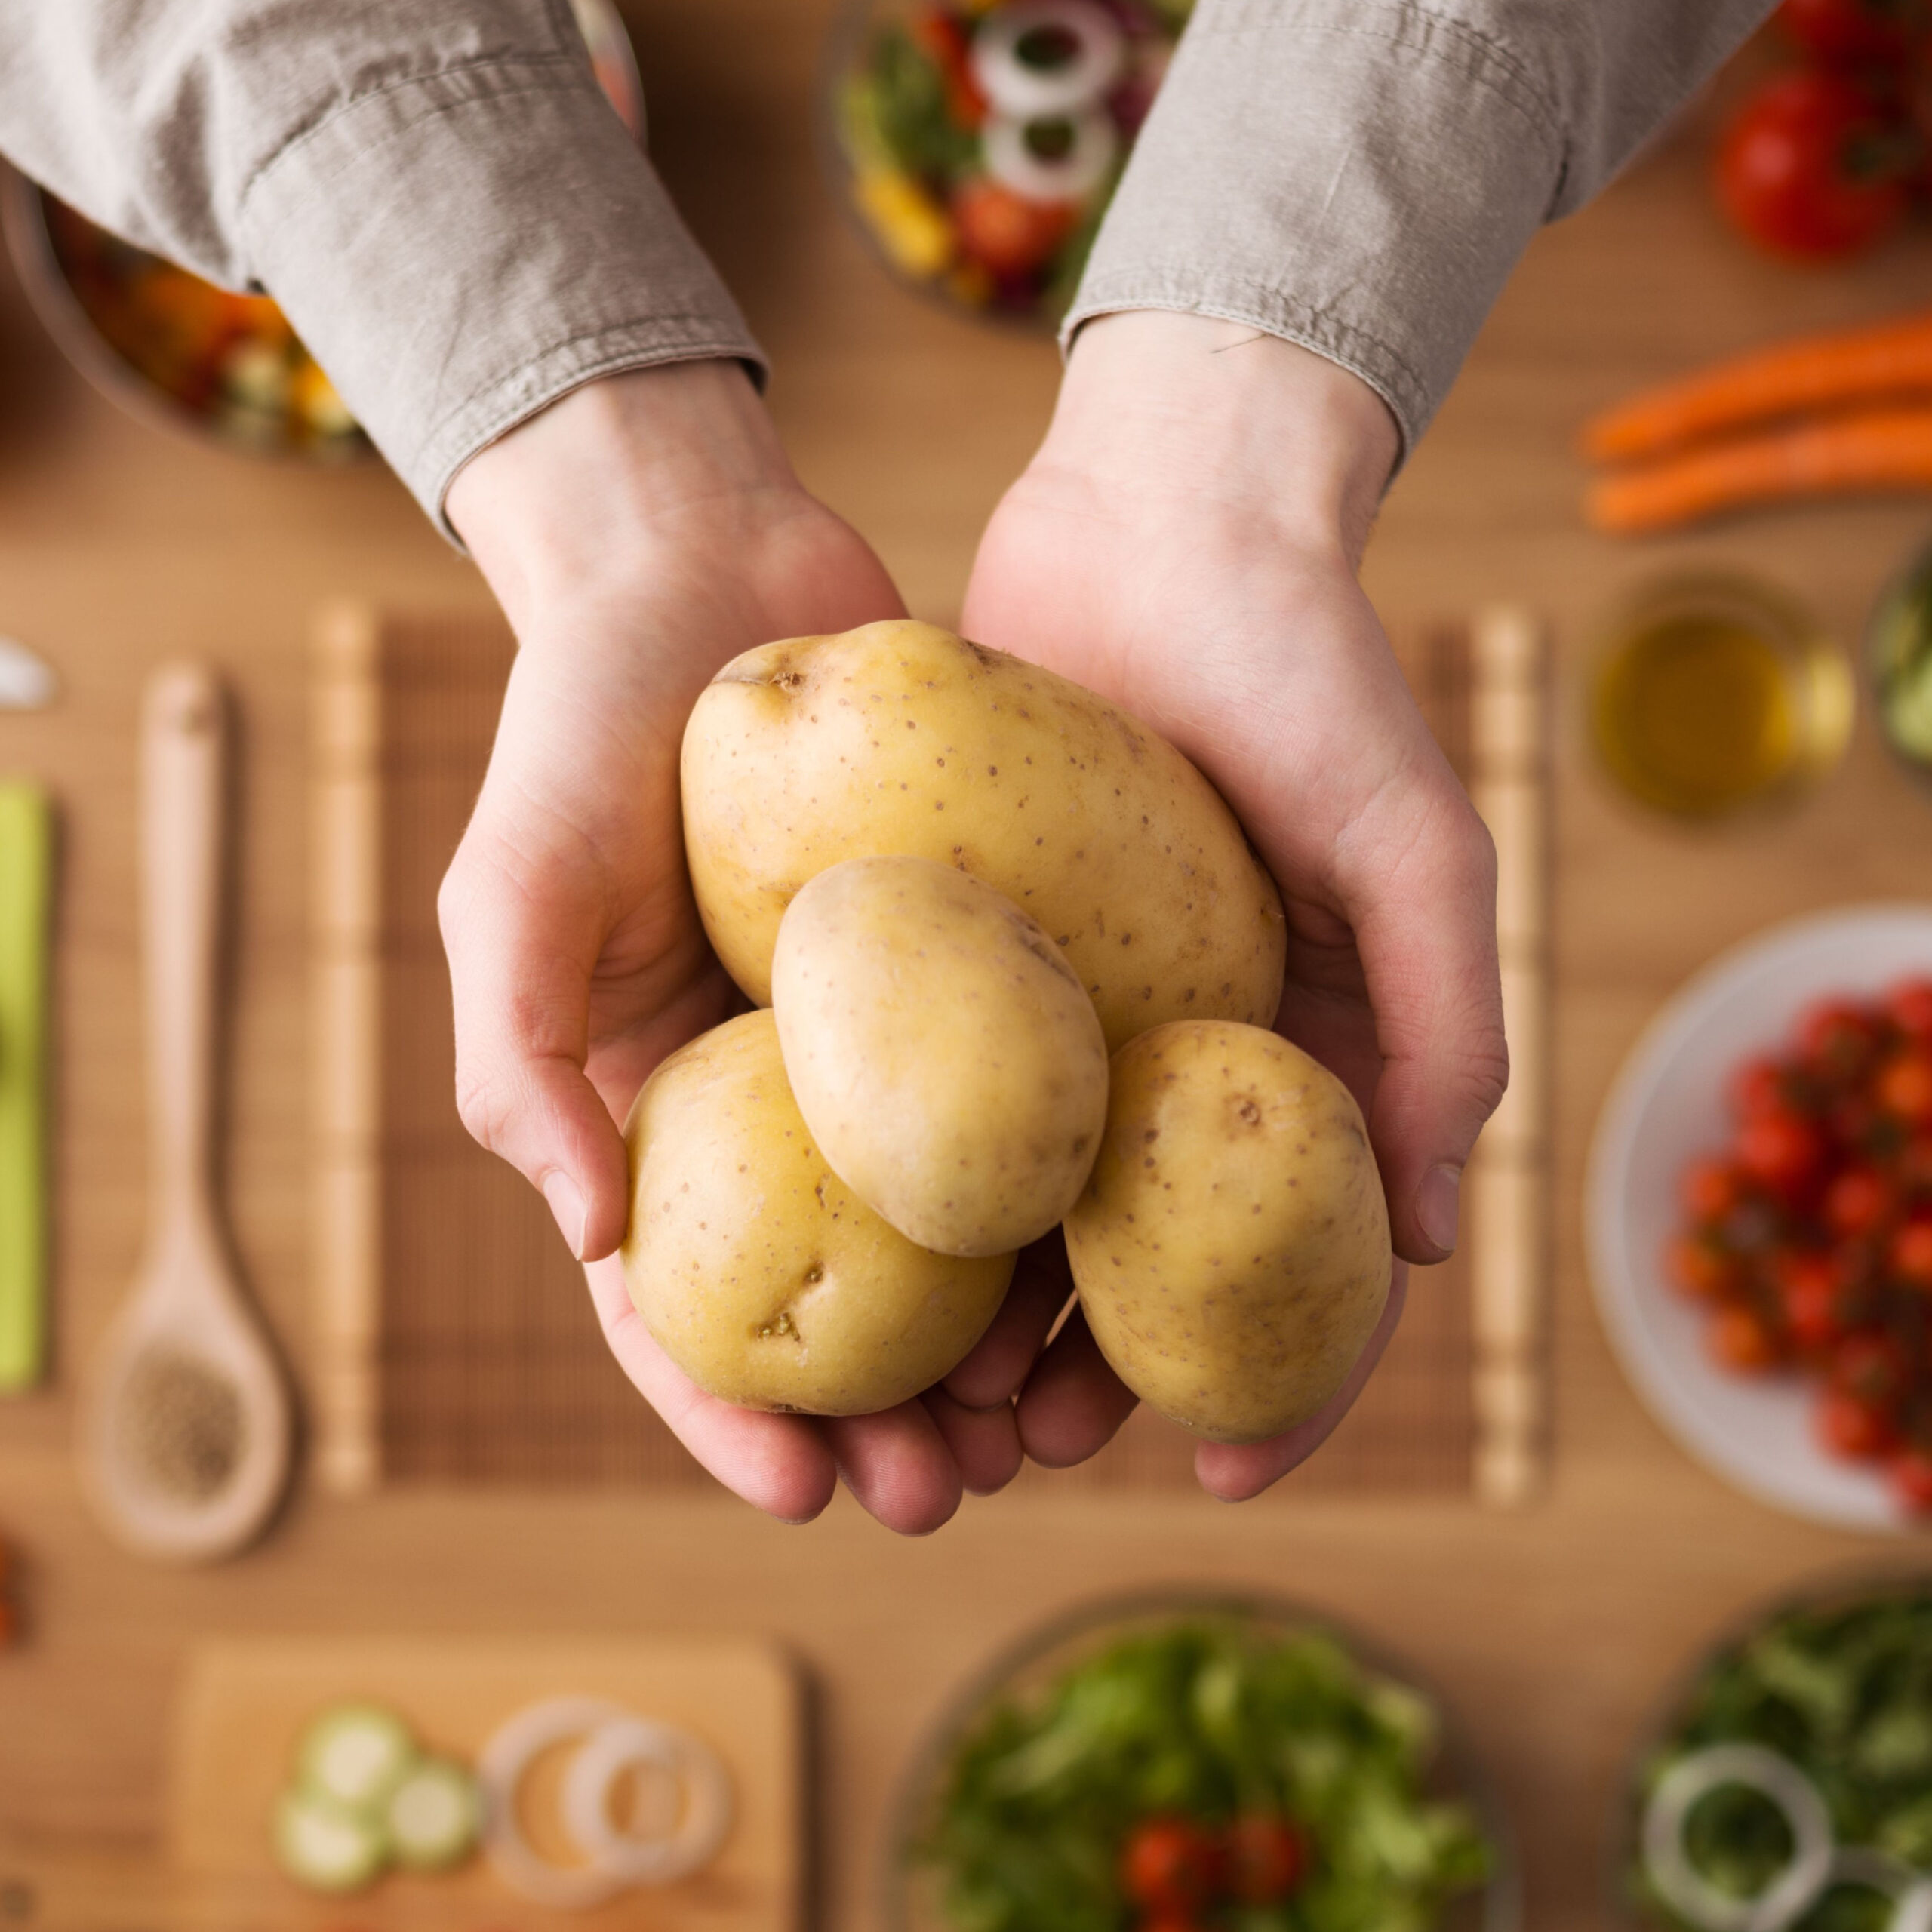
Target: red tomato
x,y
1783,1152
1758,1087
1711,1191
1914,1166
1910,1003
1812,1289
1853,1428
1858,1200
1005,233
1854,32
1814,168
1910,1255
1701,1269
1170,1866
1871,1366
1740,1338
1903,1088
1266,1856
1911,1478
1840,1038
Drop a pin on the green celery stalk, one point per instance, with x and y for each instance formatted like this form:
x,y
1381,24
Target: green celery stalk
x,y
25,871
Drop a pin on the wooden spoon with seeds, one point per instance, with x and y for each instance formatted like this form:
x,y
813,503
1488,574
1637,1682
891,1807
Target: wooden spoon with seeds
x,y
185,1430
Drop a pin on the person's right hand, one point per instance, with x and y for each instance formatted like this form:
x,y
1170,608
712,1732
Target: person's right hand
x,y
639,534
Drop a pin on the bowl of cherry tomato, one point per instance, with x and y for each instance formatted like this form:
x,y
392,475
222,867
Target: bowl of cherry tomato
x,y
979,142
1759,1216
1829,156
1183,1762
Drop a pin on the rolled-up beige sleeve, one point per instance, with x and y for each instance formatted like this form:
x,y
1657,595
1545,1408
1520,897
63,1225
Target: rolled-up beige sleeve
x,y
458,225
1360,176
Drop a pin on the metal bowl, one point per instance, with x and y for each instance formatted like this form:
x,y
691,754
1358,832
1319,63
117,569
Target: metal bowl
x,y
909,1887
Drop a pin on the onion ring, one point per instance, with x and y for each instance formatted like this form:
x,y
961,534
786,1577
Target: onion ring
x,y
1011,160
500,1769
629,1743
1909,1890
1027,93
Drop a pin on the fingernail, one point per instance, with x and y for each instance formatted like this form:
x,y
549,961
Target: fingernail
x,y
1435,1205
567,1205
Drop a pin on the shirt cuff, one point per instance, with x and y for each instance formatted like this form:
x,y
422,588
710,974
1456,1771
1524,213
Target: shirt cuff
x,y
460,249
1356,175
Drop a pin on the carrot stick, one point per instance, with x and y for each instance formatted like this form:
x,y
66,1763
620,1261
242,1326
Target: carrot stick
x,y
1879,449
1891,359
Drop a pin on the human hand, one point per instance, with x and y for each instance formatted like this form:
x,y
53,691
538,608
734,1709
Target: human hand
x,y
639,534
1185,543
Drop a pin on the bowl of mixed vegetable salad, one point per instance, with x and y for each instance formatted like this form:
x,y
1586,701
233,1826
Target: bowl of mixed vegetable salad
x,y
182,354
1789,1786
978,142
1192,1764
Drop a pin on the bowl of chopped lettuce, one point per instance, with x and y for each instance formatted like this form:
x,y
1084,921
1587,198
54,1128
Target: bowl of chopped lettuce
x,y
1787,1787
1190,1763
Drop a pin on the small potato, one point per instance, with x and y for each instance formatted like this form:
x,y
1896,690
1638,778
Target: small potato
x,y
942,1051
1231,1247
760,1273
899,737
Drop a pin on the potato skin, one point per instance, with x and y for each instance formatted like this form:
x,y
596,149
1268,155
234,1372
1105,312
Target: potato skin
x,y
942,1051
754,1266
1231,1247
900,737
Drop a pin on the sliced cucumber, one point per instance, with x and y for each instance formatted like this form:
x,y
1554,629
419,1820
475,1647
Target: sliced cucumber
x,y
435,1816
355,1754
327,1847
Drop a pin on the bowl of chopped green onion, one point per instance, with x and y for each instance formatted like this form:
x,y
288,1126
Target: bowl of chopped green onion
x,y
1189,1761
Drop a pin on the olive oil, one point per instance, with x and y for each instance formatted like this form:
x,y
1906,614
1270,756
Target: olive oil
x,y
1716,693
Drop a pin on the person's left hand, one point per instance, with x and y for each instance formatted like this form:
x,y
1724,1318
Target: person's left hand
x,y
1185,543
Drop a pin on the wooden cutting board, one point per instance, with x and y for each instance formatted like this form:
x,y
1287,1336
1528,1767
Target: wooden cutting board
x,y
244,1704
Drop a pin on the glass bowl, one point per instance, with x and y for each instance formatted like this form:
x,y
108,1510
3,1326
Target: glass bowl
x,y
185,356
910,1885
1626,1906
978,142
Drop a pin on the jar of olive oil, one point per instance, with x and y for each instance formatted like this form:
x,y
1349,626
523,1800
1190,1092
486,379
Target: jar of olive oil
x,y
1717,692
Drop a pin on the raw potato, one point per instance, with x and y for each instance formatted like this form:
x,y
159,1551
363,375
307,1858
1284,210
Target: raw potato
x,y
899,737
759,1273
1232,1248
942,1051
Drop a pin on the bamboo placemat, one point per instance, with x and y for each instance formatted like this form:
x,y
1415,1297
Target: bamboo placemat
x,y
454,1341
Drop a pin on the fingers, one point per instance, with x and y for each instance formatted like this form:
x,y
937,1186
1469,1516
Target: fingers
x,y
1073,1402
1042,1285
984,1444
1236,1471
1418,885
779,1464
897,1466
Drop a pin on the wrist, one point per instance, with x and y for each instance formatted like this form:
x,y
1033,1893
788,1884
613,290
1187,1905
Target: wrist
x,y
1155,400
590,488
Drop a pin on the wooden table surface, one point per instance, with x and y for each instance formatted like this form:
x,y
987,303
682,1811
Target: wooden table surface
x,y
1552,1630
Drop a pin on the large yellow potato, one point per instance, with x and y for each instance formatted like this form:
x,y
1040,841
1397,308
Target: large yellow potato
x,y
759,1272
943,1052
1231,1247
899,737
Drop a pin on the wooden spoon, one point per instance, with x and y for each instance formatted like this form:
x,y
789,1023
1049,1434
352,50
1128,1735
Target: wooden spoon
x,y
185,1437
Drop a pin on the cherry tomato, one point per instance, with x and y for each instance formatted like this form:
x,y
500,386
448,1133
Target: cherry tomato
x,y
1812,1288
1698,1267
1759,1087
1740,1338
1854,32
1871,1366
1859,1199
1170,1866
1840,1038
1783,1152
1914,1171
1711,1190
1814,168
1266,1856
1910,1003
1005,233
1849,1427
1911,1478
1903,1088
1909,1257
